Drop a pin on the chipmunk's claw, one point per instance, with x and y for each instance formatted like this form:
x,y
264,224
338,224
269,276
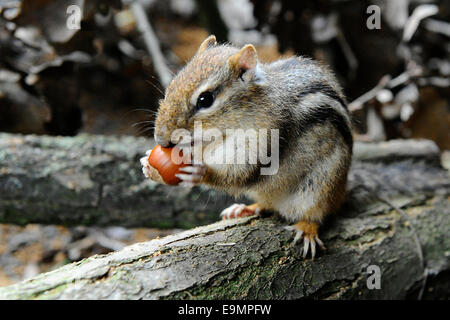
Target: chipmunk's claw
x,y
197,169
239,210
145,166
189,176
306,232
192,174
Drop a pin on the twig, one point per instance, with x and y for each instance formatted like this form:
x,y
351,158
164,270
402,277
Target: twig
x,y
151,42
347,50
438,26
375,128
358,103
421,12
434,81
385,82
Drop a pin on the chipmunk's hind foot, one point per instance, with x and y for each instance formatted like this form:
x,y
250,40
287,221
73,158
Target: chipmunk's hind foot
x,y
239,210
308,233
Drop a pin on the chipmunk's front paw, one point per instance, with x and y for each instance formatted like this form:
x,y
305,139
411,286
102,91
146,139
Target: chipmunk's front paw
x,y
239,210
192,174
148,171
308,232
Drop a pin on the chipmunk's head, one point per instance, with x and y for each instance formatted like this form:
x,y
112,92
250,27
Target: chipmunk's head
x,y
217,87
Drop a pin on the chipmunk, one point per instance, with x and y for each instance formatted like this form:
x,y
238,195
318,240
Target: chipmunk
x,y
227,87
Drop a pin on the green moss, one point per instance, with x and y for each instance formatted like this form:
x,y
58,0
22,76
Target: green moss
x,y
50,294
237,284
368,236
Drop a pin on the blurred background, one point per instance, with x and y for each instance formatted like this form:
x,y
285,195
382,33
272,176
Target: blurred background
x,y
100,67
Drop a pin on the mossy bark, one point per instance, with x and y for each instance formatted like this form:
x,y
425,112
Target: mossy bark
x,y
252,258
97,180
93,180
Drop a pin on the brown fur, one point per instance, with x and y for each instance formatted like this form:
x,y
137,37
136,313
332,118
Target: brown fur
x,y
258,99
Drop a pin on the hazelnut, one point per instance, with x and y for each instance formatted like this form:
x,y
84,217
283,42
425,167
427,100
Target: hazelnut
x,y
161,159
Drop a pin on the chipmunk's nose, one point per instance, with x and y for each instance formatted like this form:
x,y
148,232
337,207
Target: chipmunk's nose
x,y
161,137
165,143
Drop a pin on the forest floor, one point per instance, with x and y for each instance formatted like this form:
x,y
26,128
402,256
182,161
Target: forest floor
x,y
26,251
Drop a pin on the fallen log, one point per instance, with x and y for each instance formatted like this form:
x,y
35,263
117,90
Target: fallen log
x,y
93,180
397,191
97,180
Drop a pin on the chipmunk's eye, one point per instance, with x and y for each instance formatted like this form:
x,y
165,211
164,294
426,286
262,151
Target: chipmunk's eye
x,y
205,100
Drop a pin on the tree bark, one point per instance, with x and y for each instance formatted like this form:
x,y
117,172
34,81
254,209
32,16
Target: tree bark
x,y
93,180
252,258
97,180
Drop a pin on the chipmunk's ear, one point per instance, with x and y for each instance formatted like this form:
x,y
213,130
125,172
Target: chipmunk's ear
x,y
207,43
245,59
